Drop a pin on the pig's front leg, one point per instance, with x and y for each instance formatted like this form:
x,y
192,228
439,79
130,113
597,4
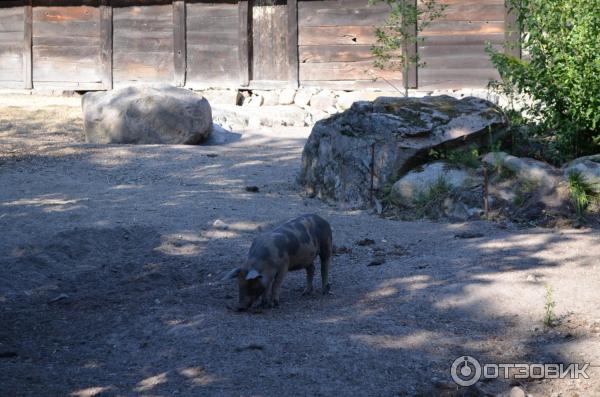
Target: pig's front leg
x,y
277,286
266,298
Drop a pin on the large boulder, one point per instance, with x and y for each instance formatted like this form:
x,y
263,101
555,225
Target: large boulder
x,y
146,115
372,143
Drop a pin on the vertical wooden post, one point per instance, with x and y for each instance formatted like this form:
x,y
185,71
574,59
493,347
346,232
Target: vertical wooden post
x,y
27,46
179,42
244,16
409,50
292,43
106,43
512,34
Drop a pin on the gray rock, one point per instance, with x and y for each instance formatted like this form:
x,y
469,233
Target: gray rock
x,y
255,100
286,96
588,167
222,97
270,98
322,102
146,115
516,391
303,96
534,171
393,134
274,116
418,181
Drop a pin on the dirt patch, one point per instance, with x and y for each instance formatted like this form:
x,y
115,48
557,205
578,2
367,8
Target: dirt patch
x,y
110,268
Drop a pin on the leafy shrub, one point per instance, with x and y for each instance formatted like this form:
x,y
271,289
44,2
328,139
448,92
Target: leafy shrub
x,y
560,72
582,192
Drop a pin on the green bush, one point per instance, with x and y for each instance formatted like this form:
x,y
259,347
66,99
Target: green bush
x,y
560,71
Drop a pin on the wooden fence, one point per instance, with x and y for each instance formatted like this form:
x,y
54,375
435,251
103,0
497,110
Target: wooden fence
x,y
98,44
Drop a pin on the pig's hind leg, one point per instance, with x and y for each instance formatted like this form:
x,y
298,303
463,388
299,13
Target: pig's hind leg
x,y
310,273
325,256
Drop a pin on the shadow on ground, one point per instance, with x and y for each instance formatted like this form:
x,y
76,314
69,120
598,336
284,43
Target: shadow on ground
x,y
110,267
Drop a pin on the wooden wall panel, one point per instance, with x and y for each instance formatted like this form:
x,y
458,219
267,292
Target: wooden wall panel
x,y
212,45
11,44
143,43
335,39
66,45
453,49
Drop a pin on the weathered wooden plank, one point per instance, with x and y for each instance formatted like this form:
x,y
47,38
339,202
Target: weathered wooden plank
x,y
65,14
349,85
459,62
106,44
335,53
324,35
53,69
496,38
243,33
474,10
455,78
409,49
360,70
67,41
512,33
230,37
342,15
69,85
461,28
27,46
11,19
66,52
292,43
179,42
68,28
12,66
455,50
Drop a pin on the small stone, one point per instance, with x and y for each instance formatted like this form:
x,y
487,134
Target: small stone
x,y
302,97
322,102
219,224
59,298
286,96
270,98
516,391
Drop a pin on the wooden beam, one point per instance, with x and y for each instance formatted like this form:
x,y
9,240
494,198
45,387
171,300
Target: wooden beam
x,y
106,43
27,46
179,42
410,77
512,34
292,42
244,39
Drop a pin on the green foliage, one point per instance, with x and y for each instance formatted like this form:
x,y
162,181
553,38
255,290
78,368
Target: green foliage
x,y
523,190
468,158
582,192
549,316
560,72
398,31
428,201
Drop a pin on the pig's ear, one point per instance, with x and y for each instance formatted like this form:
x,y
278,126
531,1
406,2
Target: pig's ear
x,y
252,275
232,274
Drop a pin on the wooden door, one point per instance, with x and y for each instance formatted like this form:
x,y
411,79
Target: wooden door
x,y
270,53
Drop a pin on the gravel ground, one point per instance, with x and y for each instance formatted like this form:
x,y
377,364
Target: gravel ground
x,y
110,271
